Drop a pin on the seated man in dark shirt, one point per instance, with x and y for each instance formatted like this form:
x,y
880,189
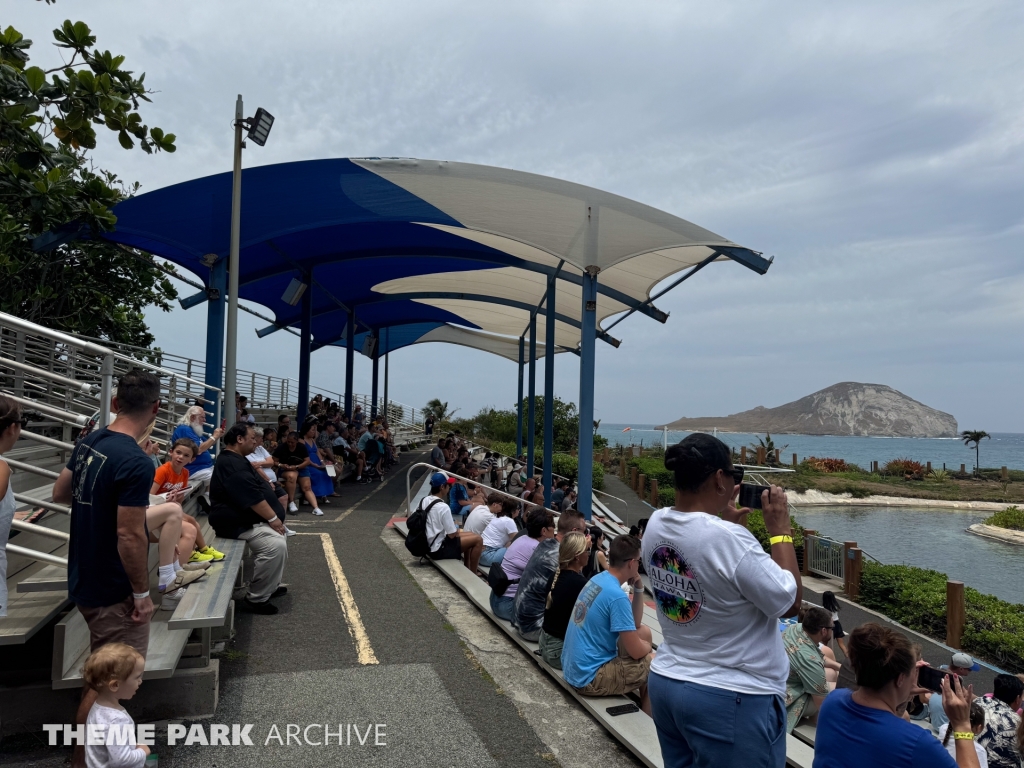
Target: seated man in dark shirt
x,y
245,507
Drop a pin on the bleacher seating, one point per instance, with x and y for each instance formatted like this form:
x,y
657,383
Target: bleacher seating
x,y
635,731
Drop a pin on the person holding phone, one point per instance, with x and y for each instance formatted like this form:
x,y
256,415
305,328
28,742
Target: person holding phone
x,y
718,682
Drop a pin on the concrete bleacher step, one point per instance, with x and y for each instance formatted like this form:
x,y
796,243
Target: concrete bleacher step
x,y
635,731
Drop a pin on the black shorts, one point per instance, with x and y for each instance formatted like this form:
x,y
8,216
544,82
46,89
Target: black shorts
x,y
450,549
837,631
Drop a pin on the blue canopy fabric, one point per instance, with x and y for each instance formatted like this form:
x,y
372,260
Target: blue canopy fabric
x,y
423,247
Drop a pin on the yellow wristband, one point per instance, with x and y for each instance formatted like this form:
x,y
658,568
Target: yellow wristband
x,y
965,735
780,540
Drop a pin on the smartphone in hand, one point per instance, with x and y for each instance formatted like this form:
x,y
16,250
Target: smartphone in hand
x,y
931,678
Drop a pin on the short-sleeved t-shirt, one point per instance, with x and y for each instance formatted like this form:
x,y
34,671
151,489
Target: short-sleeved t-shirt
x,y
109,470
499,532
514,563
563,600
478,519
168,480
260,454
719,597
600,613
439,522
235,489
286,455
458,493
202,460
852,736
437,456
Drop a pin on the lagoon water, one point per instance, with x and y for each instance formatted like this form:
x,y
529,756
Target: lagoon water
x,y
927,538
1002,450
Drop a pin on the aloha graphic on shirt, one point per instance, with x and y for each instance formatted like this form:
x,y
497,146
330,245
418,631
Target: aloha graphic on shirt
x,y
676,590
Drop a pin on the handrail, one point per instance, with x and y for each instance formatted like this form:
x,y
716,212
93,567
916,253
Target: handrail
x,y
33,469
32,436
34,502
42,530
45,557
83,386
63,338
408,486
57,413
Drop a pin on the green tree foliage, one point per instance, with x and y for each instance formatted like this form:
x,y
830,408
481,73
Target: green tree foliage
x,y
493,424
437,409
48,122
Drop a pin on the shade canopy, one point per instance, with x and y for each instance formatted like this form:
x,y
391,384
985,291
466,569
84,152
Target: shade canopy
x,y
439,248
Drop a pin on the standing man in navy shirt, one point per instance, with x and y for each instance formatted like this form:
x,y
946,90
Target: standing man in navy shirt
x,y
107,482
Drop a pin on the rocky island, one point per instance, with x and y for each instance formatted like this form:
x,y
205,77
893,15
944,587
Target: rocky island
x,y
847,408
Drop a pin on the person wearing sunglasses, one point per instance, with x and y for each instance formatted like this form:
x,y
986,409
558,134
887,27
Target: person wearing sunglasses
x,y
718,682
11,424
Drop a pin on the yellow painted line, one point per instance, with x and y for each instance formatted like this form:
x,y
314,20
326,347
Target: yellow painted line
x,y
359,503
348,603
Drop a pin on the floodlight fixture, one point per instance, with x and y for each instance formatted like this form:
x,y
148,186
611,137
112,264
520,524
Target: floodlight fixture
x,y
260,125
293,293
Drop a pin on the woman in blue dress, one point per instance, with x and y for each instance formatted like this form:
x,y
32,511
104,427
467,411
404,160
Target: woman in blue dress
x,y
323,485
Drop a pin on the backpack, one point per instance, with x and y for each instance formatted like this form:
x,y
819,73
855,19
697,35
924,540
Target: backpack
x,y
499,580
416,542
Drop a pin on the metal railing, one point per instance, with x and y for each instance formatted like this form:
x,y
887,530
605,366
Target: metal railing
x,y
824,556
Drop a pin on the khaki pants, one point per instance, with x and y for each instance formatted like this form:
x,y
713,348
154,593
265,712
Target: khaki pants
x,y
271,554
113,624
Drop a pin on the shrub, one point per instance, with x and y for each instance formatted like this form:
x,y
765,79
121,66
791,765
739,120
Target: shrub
x,y
904,467
1011,517
755,523
828,465
568,466
654,469
505,449
938,475
856,491
916,597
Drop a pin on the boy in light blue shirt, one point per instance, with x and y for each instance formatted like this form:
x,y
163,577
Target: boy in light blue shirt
x,y
607,650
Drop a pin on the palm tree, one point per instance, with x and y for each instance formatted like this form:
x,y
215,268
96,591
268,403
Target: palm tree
x,y
975,436
438,409
769,448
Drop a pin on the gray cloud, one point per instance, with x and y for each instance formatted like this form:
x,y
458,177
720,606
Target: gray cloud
x,y
876,149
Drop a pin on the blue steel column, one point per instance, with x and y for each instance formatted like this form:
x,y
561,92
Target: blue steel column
x,y
373,395
549,391
387,340
305,333
531,410
350,341
519,404
215,318
585,477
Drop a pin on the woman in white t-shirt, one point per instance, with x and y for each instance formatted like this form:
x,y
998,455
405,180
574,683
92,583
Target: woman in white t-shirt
x,y
718,682
500,530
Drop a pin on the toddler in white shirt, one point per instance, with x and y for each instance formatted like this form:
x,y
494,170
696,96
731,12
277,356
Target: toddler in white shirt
x,y
115,673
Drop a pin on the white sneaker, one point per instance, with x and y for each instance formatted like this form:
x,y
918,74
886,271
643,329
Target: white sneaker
x,y
292,507
317,512
171,599
288,531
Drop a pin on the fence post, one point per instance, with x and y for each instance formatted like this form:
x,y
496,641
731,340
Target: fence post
x,y
641,485
1004,473
963,469
795,463
761,456
928,467
604,456
808,535
847,546
778,454
854,566
633,472
743,454
654,494
874,466
956,613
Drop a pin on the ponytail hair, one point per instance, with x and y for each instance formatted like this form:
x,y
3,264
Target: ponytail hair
x,y
573,545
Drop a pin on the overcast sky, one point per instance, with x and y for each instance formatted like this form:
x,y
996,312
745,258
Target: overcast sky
x,y
876,149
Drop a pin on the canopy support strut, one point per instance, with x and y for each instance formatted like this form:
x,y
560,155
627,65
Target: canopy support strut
x,y
306,333
373,386
387,346
519,404
585,470
531,421
549,391
215,317
350,340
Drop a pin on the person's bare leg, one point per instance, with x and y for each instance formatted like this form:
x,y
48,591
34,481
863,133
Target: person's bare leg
x,y
645,700
307,492
166,518
288,479
187,542
472,548
200,541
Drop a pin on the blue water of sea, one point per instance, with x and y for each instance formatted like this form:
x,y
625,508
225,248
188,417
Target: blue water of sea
x,y
1004,449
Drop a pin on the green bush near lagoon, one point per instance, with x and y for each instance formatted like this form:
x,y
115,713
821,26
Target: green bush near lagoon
x,y
1011,518
916,598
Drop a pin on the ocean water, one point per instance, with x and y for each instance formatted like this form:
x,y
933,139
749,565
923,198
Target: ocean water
x,y
1004,449
927,538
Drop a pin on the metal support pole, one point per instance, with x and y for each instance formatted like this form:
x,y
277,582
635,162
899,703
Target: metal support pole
x,y
350,342
373,387
519,404
106,389
387,416
305,334
585,471
549,391
217,289
531,409
231,356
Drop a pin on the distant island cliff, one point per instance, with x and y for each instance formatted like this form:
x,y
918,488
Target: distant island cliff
x,y
847,408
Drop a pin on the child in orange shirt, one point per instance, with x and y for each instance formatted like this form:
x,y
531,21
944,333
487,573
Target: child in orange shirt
x,y
172,479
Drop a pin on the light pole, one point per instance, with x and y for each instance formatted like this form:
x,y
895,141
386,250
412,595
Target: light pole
x,y
259,128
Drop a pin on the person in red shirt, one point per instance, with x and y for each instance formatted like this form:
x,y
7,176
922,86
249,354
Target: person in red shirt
x,y
172,479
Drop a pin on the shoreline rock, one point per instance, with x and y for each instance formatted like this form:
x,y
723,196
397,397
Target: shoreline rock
x,y
1001,534
815,498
